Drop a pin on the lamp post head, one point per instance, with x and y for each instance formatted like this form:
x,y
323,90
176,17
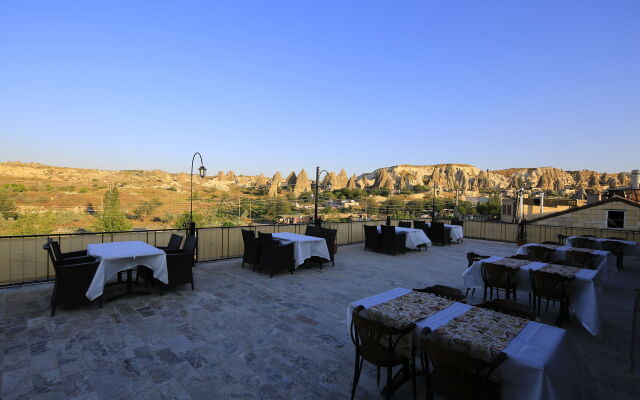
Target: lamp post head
x,y
203,171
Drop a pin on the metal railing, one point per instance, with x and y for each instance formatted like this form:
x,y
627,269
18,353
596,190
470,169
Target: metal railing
x,y
23,260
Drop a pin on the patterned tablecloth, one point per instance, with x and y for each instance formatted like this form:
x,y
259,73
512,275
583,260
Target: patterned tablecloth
x,y
512,263
562,270
479,332
407,309
604,258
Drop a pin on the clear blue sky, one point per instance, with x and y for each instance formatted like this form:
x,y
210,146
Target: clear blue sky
x,y
260,86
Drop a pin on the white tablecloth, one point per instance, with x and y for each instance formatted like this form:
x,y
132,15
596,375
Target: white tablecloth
x,y
584,300
605,258
414,237
540,363
632,249
304,246
120,256
455,232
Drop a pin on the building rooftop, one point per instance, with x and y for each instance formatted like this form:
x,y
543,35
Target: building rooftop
x,y
243,335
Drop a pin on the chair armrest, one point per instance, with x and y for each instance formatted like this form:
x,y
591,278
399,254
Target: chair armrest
x,y
173,251
77,261
74,254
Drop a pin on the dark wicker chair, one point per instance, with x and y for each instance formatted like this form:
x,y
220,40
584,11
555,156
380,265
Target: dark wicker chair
x,y
73,278
174,243
371,238
562,239
275,256
457,222
541,253
392,243
311,230
550,286
251,254
446,292
456,374
585,243
78,256
499,277
617,249
404,224
581,259
438,234
377,344
330,236
551,242
471,258
180,264
522,257
509,307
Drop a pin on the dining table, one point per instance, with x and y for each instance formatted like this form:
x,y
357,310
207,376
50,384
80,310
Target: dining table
x,y
540,362
603,257
631,248
583,290
124,256
304,246
414,237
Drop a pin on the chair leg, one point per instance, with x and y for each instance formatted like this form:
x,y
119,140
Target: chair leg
x,y
484,297
100,301
192,285
378,376
53,309
242,263
389,382
356,376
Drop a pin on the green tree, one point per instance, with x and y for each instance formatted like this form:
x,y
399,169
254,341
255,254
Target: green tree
x,y
7,207
146,208
465,207
278,207
112,218
31,223
491,207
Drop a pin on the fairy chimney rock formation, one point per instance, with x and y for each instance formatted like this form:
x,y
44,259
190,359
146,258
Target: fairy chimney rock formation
x,y
261,180
303,184
352,183
277,178
231,176
291,179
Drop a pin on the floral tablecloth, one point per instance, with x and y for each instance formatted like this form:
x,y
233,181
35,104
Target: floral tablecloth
x,y
562,270
479,332
512,263
407,309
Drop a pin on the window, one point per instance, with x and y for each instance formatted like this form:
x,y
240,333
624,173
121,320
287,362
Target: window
x,y
615,219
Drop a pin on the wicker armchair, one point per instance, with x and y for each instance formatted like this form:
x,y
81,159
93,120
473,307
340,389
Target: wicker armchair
x,y
73,278
471,258
371,238
275,256
392,243
330,236
509,307
404,224
446,292
180,264
311,230
499,277
378,344
78,256
585,243
562,239
581,259
438,234
541,253
456,374
550,286
251,254
174,243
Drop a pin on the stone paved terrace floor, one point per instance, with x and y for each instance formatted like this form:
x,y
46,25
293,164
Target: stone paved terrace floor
x,y
243,335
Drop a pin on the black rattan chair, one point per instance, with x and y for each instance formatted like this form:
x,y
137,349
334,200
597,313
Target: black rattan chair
x,y
392,243
456,374
541,253
275,256
509,307
378,344
471,258
581,259
446,292
404,224
73,278
499,277
174,243
79,256
585,243
371,238
550,286
438,234
180,264
311,230
617,249
251,254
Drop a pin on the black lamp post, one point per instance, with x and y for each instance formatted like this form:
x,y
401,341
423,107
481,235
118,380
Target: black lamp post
x,y
316,221
433,210
202,170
